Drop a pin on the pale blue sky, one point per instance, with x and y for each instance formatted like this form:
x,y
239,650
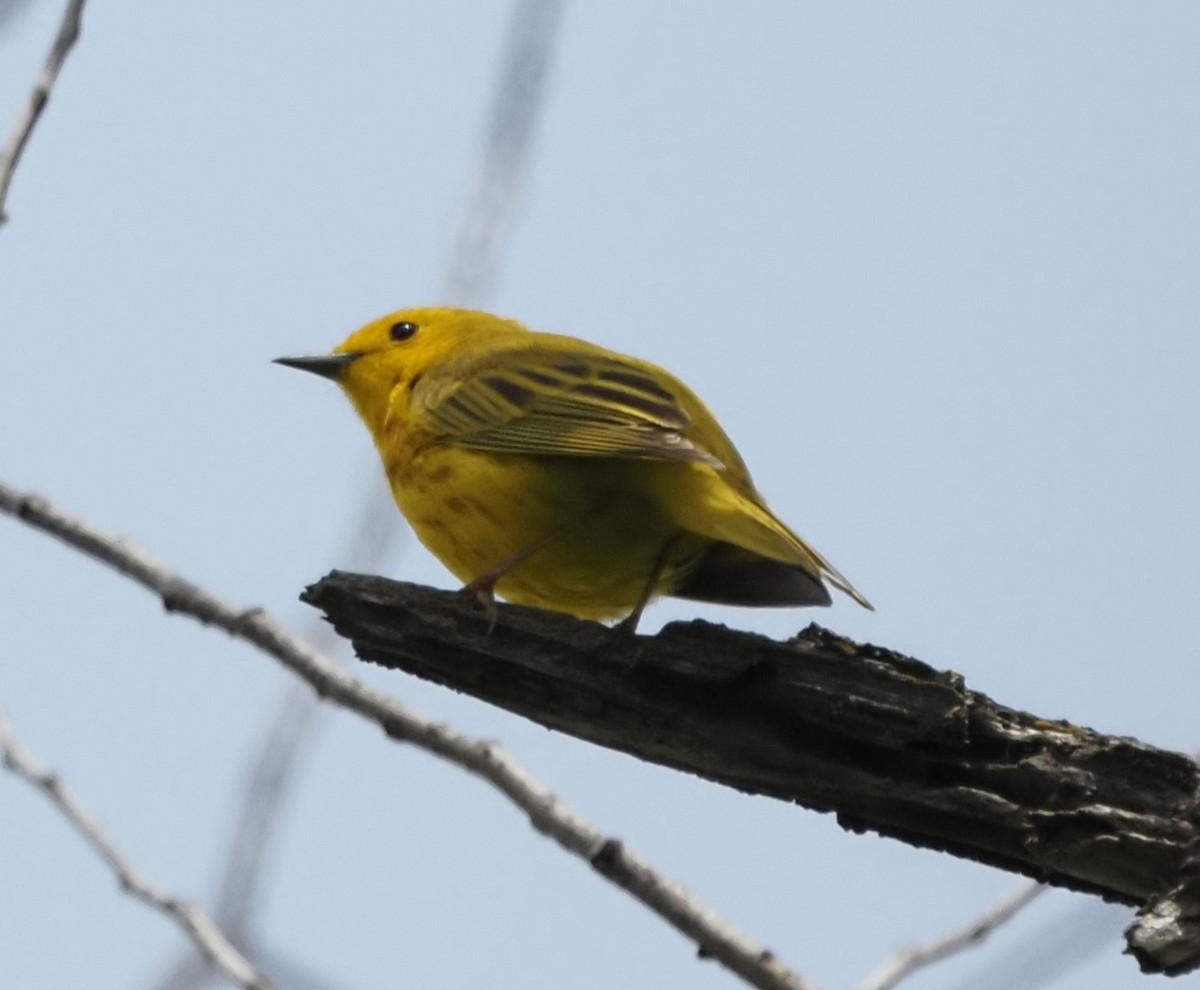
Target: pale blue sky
x,y
933,264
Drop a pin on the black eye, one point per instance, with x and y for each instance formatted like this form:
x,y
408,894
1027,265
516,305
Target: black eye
x,y
402,330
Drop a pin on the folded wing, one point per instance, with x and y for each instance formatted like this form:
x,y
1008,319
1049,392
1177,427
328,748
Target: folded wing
x,y
545,401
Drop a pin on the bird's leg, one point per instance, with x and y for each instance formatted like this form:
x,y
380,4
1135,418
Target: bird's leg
x,y
628,625
483,588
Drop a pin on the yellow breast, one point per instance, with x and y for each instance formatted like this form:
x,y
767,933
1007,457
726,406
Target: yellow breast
x,y
597,531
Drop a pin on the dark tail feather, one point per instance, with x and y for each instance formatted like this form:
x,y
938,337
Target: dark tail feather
x,y
729,575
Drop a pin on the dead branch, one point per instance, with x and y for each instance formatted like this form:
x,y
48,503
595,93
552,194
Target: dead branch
x,y
886,742
208,939
64,41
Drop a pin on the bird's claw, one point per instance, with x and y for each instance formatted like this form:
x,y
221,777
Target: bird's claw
x,y
484,592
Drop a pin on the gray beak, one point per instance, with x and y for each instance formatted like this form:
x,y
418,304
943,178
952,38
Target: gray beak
x,y
326,365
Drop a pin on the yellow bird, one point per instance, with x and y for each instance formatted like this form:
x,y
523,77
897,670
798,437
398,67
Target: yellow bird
x,y
563,475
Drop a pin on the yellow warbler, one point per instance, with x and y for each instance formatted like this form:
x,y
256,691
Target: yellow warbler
x,y
563,475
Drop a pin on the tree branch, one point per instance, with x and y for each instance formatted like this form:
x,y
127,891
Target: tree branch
x,y
196,925
909,961
516,110
64,41
885,741
714,936
518,101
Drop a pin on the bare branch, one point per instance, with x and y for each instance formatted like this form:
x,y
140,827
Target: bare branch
x,y
267,784
207,937
1045,955
276,763
503,167
907,962
889,743
64,41
714,936
512,126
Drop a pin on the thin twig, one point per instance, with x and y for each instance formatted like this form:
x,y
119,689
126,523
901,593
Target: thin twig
x,y
207,937
1055,948
266,786
276,762
908,961
504,161
478,247
714,936
64,41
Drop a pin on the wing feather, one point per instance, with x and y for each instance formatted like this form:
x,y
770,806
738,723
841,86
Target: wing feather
x,y
542,400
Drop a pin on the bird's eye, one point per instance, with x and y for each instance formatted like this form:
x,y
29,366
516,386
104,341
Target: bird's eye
x,y
402,330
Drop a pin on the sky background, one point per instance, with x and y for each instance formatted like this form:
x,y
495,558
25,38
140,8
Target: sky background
x,y
934,265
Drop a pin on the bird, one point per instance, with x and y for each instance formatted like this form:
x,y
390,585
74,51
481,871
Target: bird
x,y
559,474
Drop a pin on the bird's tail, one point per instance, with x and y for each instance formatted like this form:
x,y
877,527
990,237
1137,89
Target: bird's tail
x,y
732,518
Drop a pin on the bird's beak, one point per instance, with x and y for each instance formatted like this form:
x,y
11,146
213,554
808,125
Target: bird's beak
x,y
326,365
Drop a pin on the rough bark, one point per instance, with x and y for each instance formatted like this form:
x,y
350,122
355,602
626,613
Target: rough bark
x,y
886,742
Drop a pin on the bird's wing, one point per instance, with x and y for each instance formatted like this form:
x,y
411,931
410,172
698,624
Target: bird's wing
x,y
548,401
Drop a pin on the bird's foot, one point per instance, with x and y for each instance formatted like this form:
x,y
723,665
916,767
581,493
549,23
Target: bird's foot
x,y
483,590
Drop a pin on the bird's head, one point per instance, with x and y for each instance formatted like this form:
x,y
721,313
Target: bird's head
x,y
394,351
